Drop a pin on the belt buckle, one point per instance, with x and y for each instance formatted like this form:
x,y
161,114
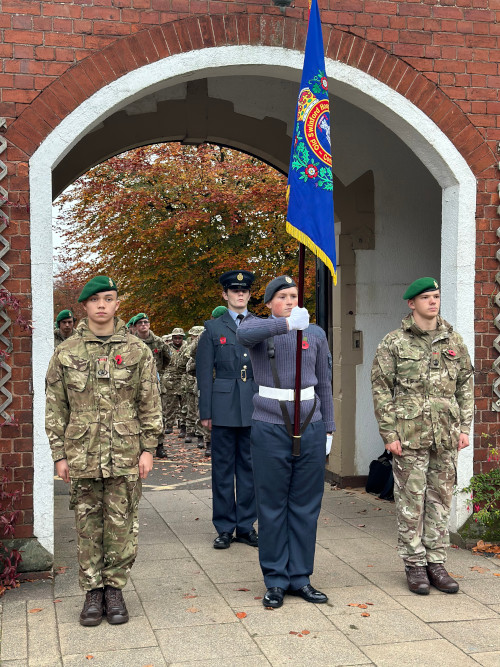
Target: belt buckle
x,y
243,374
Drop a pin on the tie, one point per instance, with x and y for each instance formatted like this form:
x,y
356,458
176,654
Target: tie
x,y
239,318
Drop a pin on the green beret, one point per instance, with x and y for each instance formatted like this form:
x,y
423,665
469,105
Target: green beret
x,y
217,312
97,284
64,314
139,316
419,286
129,323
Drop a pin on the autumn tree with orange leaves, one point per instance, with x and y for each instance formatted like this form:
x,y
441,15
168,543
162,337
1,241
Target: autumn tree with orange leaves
x,y
166,220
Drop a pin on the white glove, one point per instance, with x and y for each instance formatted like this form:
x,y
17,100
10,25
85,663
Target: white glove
x,y
329,438
299,319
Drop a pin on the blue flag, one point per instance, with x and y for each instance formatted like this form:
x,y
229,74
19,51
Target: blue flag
x,y
310,184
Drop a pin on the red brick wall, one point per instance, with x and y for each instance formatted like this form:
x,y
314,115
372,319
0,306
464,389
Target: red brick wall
x,y
444,58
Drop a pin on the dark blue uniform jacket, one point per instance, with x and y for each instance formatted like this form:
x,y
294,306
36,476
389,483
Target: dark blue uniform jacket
x,y
225,396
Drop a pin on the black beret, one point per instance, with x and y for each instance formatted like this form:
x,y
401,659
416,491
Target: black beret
x,y
277,284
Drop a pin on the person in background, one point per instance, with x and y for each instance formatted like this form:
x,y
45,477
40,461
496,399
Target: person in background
x,y
65,324
226,388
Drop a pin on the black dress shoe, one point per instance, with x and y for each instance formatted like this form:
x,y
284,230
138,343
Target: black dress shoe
x,y
309,594
273,597
251,538
223,541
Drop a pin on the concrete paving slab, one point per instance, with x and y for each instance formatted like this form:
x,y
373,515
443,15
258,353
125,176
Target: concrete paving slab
x,y
177,568
260,621
418,654
472,636
181,528
178,610
338,531
244,593
199,540
68,609
75,639
333,573
126,658
340,599
14,631
155,553
237,553
488,659
152,587
42,588
322,648
43,640
232,571
445,607
384,528
222,643
360,548
190,513
251,661
14,663
383,627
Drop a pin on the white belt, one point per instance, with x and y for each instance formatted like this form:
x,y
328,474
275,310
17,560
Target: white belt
x,y
306,394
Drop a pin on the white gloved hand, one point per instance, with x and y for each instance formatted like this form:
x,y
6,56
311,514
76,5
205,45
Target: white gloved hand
x,y
329,438
299,319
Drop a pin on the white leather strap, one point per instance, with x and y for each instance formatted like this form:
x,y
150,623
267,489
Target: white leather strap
x,y
306,394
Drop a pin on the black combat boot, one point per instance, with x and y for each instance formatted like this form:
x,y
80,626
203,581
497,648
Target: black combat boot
x,y
208,450
189,437
114,606
182,432
168,430
160,452
93,609
418,581
201,444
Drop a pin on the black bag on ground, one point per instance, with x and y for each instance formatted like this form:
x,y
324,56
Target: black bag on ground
x,y
380,478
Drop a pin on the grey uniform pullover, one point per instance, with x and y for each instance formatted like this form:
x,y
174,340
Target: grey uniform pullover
x,y
253,333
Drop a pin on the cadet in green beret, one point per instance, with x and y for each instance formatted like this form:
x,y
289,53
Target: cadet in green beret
x,y
65,323
217,312
423,395
161,355
103,419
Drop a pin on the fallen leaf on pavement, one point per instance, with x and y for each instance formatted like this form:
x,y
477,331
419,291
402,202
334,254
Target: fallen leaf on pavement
x,y
496,574
241,589
188,597
241,614
89,657
455,576
365,614
356,604
361,525
293,633
35,611
54,601
306,632
193,610
259,597
478,568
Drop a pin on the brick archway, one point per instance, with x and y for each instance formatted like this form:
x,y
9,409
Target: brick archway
x,y
189,34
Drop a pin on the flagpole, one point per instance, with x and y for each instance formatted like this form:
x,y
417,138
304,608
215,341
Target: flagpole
x,y
298,358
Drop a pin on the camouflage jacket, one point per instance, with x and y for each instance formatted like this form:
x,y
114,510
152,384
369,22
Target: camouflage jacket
x,y
102,403
177,367
160,351
422,386
58,337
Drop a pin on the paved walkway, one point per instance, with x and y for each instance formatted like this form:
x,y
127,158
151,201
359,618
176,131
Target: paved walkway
x,y
192,605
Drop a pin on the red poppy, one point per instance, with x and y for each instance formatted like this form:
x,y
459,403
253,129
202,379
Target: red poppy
x,y
155,350
452,353
305,345
118,359
222,340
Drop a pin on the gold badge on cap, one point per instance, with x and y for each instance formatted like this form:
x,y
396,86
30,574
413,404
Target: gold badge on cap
x,y
239,276
110,282
288,279
436,285
70,314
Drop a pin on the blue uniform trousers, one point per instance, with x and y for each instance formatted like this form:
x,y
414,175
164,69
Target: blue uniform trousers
x,y
233,509
288,490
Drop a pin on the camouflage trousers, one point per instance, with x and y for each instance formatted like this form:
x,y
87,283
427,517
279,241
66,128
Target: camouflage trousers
x,y
172,408
193,423
107,525
423,491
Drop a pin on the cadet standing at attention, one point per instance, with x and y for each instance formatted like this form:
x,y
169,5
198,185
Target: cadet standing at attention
x,y
423,394
288,487
103,419
172,394
161,355
225,404
65,324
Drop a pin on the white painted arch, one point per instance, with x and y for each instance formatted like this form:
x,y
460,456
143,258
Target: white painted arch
x,y
411,125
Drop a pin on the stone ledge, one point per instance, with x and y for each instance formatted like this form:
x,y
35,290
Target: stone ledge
x,y
35,558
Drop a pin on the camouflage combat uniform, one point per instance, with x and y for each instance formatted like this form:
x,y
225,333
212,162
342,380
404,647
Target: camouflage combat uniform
x,y
161,354
102,410
199,430
58,337
423,394
171,387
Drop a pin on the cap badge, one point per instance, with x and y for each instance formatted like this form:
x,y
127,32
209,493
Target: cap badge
x,y
70,314
111,284
436,285
239,276
288,279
